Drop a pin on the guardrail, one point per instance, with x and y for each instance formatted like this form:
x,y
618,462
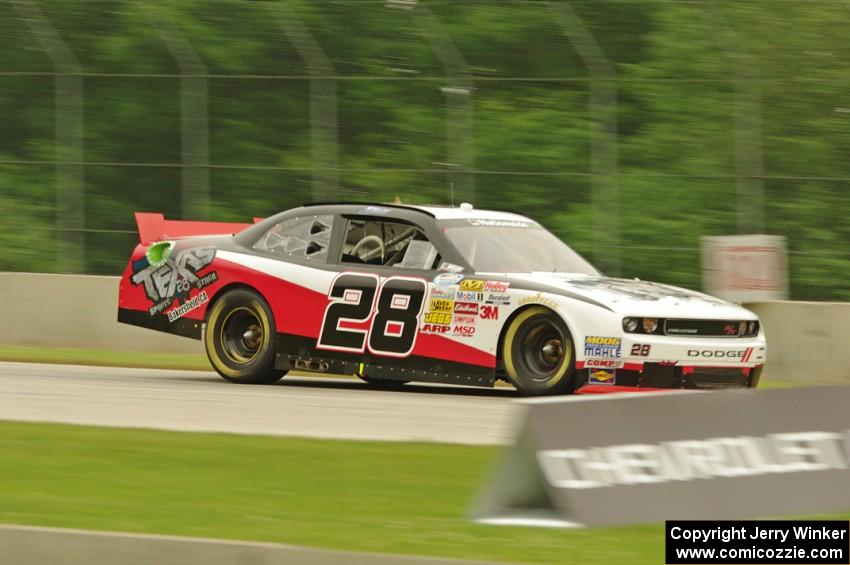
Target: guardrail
x,y
806,341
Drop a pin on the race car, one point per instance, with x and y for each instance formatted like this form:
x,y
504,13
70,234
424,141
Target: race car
x,y
397,293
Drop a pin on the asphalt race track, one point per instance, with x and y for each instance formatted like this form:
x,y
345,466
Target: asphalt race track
x,y
296,406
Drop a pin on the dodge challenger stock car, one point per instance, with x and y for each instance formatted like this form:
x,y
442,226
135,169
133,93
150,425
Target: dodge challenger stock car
x,y
398,293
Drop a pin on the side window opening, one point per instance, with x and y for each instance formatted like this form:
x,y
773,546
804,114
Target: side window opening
x,y
389,244
307,237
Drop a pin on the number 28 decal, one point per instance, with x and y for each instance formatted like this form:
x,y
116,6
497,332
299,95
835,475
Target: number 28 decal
x,y
394,311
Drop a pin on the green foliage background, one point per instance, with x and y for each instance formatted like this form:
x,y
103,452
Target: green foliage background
x,y
675,113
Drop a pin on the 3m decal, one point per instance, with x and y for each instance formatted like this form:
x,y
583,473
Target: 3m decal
x,y
641,350
470,308
605,347
472,284
489,312
441,305
170,276
391,314
442,318
602,377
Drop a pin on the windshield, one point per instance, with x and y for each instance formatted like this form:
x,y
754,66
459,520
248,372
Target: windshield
x,y
516,250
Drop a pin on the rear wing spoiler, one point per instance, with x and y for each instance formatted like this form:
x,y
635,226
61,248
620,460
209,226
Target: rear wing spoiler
x,y
154,227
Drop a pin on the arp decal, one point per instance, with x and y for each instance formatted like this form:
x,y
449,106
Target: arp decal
x,y
172,276
392,314
602,377
600,346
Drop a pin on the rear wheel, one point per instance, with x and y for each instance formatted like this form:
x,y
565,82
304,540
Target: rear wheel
x,y
538,353
240,338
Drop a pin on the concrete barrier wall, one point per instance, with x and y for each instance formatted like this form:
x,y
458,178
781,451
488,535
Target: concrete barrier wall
x,y
807,341
24,545
74,311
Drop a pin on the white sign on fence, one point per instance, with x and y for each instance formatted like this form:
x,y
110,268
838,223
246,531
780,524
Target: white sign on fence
x,y
745,268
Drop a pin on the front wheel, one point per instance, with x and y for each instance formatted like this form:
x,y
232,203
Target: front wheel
x,y
538,353
240,338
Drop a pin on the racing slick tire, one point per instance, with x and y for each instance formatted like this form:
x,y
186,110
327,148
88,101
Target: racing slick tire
x,y
537,352
240,338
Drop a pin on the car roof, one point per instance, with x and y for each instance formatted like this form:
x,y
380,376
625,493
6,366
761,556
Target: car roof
x,y
462,212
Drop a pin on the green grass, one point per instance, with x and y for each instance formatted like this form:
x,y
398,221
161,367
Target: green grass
x,y
368,496
103,357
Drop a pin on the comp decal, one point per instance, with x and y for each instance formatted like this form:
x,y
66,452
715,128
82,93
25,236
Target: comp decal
x,y
167,276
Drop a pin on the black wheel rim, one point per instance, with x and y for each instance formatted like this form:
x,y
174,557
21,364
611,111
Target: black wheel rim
x,y
242,335
544,347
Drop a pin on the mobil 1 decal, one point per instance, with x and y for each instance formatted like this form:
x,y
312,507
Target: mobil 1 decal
x,y
168,274
386,315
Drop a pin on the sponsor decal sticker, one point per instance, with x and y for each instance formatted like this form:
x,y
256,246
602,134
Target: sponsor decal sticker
x,y
539,299
444,279
605,363
450,267
641,350
489,312
602,377
444,318
464,320
496,286
441,305
466,296
447,292
470,308
435,329
464,331
742,355
602,347
472,284
175,277
499,223
500,299
192,304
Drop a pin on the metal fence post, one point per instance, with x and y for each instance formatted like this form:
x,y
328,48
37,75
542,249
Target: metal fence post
x,y
603,135
194,114
324,121
460,130
749,153
70,180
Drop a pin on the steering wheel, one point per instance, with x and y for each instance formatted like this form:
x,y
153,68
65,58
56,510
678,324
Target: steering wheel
x,y
367,240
